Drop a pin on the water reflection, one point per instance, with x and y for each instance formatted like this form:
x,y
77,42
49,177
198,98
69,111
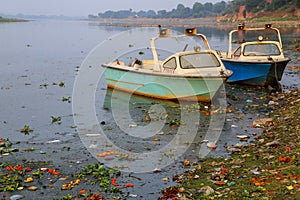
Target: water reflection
x,y
164,130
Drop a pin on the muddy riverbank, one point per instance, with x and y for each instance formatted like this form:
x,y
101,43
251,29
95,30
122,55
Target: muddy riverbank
x,y
266,168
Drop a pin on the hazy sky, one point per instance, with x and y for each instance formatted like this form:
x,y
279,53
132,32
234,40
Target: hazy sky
x,y
85,7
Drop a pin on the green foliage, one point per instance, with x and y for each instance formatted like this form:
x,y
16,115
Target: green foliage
x,y
219,7
206,9
259,5
198,10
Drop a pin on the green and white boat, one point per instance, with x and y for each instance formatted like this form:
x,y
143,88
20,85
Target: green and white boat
x,y
192,74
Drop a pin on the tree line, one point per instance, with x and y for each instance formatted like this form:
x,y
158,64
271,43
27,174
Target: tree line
x,y
200,10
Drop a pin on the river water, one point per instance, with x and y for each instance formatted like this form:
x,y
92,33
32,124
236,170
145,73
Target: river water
x,y
39,65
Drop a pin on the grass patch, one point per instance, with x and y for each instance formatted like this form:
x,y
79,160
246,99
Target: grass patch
x,y
270,19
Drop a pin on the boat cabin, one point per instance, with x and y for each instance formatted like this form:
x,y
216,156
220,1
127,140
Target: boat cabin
x,y
256,50
268,43
255,55
190,62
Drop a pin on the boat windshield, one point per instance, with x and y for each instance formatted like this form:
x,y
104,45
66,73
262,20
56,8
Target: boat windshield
x,y
261,50
199,60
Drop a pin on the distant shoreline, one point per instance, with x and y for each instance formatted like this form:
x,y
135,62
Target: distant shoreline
x,y
12,20
191,22
178,22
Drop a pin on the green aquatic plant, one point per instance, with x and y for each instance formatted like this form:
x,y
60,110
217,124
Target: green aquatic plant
x,y
26,130
67,197
55,119
61,84
68,99
9,182
101,176
45,85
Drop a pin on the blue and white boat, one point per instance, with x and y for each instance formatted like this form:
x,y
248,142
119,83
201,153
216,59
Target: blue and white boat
x,y
191,74
255,55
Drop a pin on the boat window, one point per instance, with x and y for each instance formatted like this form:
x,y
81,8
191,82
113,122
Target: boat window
x,y
261,50
237,52
170,64
199,60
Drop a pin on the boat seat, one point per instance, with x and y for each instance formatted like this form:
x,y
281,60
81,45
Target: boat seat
x,y
149,64
135,62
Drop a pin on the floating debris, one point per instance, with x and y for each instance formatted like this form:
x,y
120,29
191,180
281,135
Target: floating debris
x,y
133,125
28,180
2,142
16,197
32,188
211,145
93,135
156,170
243,137
107,153
165,179
53,141
132,195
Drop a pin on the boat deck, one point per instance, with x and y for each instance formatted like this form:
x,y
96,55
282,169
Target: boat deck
x,y
146,64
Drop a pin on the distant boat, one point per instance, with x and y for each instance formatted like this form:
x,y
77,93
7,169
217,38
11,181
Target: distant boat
x,y
258,58
194,75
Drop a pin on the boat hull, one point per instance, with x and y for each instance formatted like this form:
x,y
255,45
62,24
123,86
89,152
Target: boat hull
x,y
255,73
163,86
